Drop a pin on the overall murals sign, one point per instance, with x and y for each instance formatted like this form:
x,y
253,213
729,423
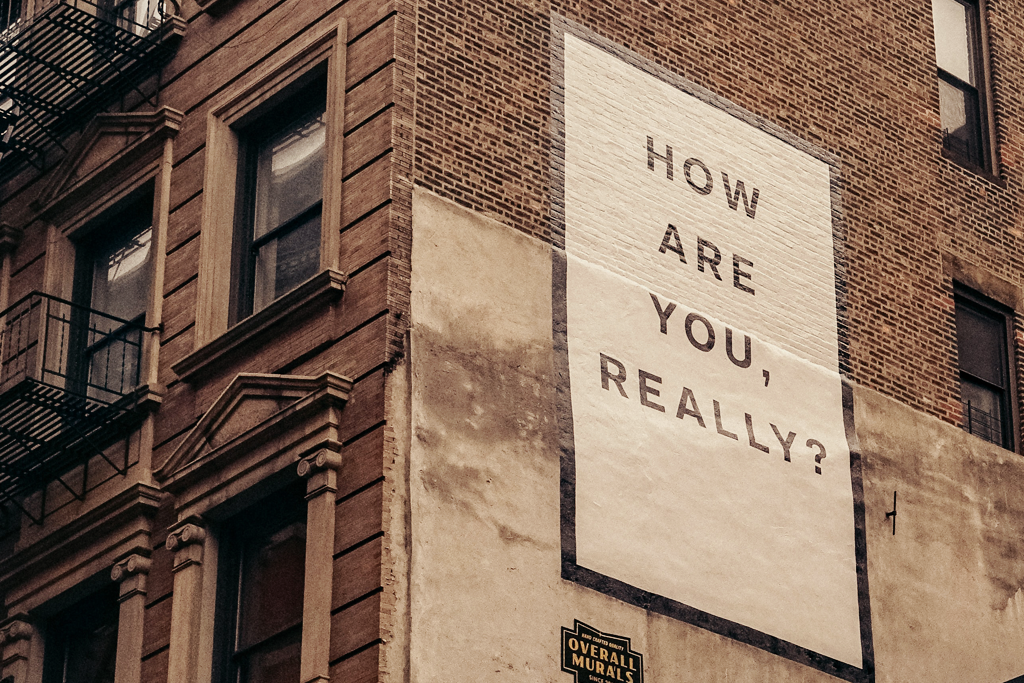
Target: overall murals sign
x,y
707,469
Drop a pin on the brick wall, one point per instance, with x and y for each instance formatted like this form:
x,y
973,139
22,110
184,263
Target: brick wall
x,y
857,79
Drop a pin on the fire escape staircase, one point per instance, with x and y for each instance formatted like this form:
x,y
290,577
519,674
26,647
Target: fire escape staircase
x,y
68,376
72,59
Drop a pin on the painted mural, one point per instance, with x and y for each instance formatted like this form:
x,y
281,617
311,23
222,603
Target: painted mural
x,y
707,465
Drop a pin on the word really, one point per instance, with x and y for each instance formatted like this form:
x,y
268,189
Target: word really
x,y
687,408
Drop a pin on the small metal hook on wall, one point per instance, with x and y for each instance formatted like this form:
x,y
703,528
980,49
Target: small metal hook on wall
x,y
892,513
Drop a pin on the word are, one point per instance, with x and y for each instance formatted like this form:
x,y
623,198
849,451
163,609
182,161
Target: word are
x,y
708,255
615,666
696,320
698,176
687,408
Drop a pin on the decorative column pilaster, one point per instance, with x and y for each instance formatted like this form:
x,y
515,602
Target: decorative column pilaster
x,y
16,637
186,542
131,573
321,471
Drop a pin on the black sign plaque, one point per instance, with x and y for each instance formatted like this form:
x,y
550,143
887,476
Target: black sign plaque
x,y
596,657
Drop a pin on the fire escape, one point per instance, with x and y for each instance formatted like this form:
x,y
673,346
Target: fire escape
x,y
68,374
70,60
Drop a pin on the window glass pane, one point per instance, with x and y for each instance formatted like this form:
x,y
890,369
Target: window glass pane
x,y
10,12
120,279
81,642
983,410
276,662
953,38
289,174
272,578
286,262
958,112
981,340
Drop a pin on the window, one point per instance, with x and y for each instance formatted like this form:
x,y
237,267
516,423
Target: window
x,y
260,593
277,240
962,107
81,641
112,277
10,13
983,347
280,122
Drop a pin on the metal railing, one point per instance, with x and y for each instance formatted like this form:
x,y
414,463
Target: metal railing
x,y
69,347
138,16
71,58
983,424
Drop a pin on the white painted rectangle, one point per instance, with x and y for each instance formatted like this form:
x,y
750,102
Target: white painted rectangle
x,y
662,502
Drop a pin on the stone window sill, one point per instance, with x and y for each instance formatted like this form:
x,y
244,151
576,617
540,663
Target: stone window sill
x,y
329,285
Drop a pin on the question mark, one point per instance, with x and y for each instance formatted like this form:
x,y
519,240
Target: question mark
x,y
821,453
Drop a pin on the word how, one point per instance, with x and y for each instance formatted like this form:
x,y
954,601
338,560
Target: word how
x,y
698,176
687,408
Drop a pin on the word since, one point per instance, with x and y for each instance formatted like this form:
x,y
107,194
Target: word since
x,y
687,407
701,179
614,666
696,319
711,256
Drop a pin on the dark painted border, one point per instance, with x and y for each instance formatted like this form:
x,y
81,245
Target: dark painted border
x,y
606,584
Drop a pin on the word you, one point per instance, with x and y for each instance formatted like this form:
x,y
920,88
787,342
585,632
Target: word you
x,y
704,339
698,176
688,408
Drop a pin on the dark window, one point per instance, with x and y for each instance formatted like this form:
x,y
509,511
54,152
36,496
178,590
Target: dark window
x,y
282,167
10,13
962,110
112,285
261,589
81,641
983,348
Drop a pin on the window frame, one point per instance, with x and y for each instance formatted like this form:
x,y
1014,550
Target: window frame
x,y
72,204
232,535
971,299
54,636
244,244
11,12
138,207
265,87
985,126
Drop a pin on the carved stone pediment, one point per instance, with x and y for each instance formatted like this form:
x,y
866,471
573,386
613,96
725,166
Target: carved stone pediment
x,y
249,415
111,145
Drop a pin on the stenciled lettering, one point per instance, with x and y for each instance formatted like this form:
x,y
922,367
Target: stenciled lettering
x,y
709,258
650,387
701,180
707,182
663,313
618,378
750,208
712,261
737,273
645,391
653,156
709,343
671,242
701,341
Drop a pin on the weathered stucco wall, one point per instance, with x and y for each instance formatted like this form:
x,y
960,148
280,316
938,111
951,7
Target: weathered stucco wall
x,y
487,601
946,596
